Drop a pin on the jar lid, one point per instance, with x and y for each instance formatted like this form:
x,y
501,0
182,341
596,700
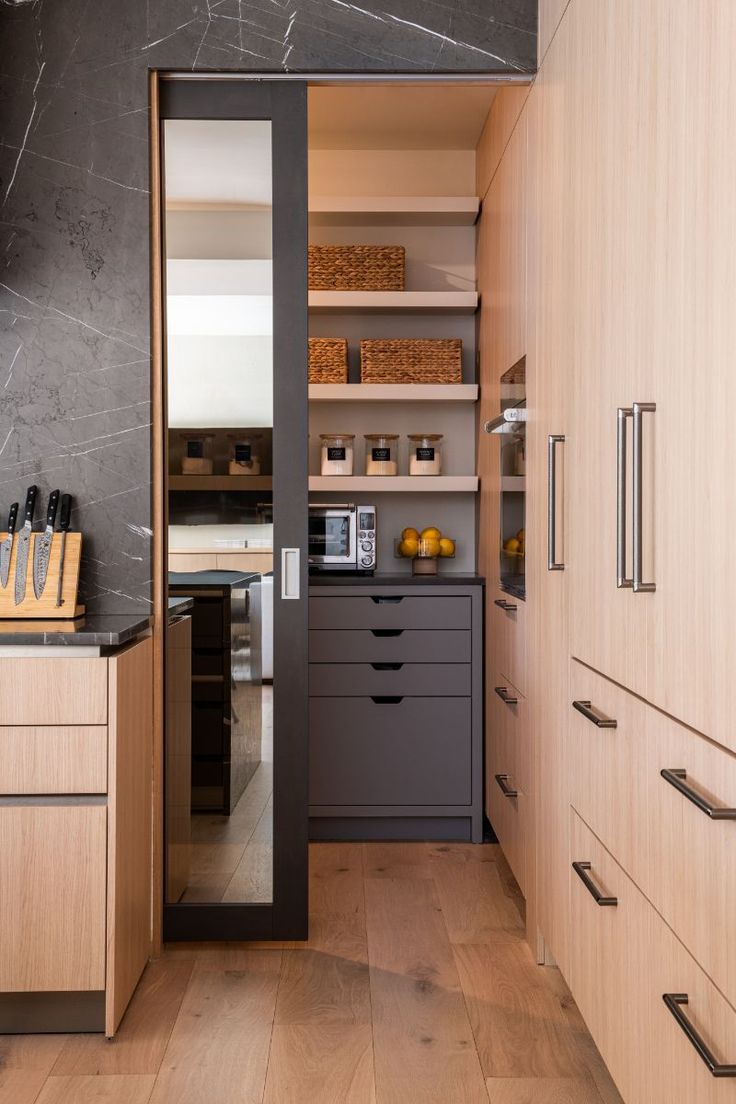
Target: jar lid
x,y
381,436
337,436
425,436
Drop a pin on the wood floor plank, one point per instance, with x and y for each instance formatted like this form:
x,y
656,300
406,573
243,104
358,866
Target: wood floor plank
x,y
423,1044
321,1064
475,905
116,1089
25,1062
20,1086
337,901
319,988
591,1056
139,1045
397,860
520,1025
218,1050
537,1090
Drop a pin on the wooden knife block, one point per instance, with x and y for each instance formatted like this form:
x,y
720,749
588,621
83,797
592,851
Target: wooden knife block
x,y
45,606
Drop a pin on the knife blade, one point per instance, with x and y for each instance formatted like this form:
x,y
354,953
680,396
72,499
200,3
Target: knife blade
x,y
24,544
6,548
42,547
64,519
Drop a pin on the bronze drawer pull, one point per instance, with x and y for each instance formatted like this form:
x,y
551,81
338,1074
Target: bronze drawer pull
x,y
593,715
677,777
507,607
718,1069
581,869
502,780
504,695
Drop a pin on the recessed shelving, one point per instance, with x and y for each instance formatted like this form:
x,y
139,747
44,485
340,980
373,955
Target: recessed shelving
x,y
394,483
393,392
393,210
393,302
220,482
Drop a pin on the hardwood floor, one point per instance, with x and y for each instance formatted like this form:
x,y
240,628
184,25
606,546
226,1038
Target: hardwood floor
x,y
415,987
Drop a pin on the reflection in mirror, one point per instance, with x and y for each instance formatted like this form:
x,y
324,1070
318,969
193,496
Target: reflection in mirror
x,y
219,326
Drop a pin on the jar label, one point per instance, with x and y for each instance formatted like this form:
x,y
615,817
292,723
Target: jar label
x,y
195,449
336,453
242,453
425,454
381,454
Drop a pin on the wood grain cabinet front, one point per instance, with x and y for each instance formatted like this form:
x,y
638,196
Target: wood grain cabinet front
x,y
507,638
51,691
508,774
62,759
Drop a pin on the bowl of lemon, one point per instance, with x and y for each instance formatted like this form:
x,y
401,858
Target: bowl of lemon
x,y
425,548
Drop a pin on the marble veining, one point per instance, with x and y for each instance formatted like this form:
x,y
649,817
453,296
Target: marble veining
x,y
74,202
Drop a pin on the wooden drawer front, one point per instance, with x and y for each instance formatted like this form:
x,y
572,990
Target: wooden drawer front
x,y
59,760
50,691
413,752
364,646
507,637
414,679
678,855
389,612
506,755
624,959
52,897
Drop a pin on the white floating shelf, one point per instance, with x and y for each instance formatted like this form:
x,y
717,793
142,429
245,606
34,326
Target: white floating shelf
x,y
393,392
513,483
394,483
393,210
393,302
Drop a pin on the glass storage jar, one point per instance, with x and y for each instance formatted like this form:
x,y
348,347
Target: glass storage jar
x,y
195,460
245,454
381,454
425,453
336,453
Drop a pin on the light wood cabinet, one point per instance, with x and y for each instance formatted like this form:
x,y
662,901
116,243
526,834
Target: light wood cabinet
x,y
508,775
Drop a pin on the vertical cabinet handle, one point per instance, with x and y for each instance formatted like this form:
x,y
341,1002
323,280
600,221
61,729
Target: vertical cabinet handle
x,y
553,440
639,410
581,869
622,414
674,1002
290,582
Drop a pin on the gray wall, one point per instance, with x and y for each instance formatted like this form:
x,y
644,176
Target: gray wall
x,y
74,306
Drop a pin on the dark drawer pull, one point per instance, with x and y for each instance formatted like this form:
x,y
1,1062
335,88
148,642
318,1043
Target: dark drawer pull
x,y
600,720
674,1002
387,632
502,780
507,607
386,699
504,695
387,599
581,869
677,778
387,666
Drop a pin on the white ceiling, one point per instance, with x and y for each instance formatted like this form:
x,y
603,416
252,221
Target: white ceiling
x,y
398,116
224,162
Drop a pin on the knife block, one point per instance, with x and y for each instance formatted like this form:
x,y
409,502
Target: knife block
x,y
45,606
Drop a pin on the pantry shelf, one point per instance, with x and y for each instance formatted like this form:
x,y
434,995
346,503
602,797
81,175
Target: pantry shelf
x,y
393,302
393,392
393,210
220,482
394,483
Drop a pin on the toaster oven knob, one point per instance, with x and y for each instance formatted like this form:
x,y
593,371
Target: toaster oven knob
x,y
367,561
367,546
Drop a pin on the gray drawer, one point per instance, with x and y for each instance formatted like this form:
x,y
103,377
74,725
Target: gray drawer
x,y
406,646
414,752
389,612
415,679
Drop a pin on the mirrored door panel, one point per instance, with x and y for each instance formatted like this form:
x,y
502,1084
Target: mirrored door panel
x,y
233,172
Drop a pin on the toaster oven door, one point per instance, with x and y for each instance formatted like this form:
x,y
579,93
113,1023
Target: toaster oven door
x,y
332,538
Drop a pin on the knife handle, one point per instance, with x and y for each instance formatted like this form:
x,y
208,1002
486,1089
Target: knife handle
x,y
51,511
12,517
30,503
65,516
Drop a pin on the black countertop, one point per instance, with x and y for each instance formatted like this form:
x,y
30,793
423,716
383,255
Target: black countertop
x,y
386,579
180,604
215,579
103,630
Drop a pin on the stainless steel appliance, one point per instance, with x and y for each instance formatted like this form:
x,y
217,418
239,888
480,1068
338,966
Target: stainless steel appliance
x,y
342,537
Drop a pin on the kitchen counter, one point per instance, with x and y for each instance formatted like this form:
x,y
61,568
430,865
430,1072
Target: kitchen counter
x,y
388,579
102,630
215,579
179,604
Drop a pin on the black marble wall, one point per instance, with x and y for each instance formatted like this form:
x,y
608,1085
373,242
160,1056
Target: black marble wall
x,y
74,308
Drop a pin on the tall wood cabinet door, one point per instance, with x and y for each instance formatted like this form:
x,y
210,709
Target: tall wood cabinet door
x,y
692,485
548,396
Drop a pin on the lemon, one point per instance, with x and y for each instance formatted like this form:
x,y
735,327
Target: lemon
x,y
432,531
429,546
512,545
410,534
447,547
409,547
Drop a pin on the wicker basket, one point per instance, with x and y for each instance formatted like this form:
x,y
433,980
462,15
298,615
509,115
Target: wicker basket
x,y
356,267
328,360
412,360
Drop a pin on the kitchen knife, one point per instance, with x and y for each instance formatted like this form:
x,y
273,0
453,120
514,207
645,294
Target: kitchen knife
x,y
42,547
6,548
64,520
24,544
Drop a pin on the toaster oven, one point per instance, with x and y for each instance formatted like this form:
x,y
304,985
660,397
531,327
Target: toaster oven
x,y
342,537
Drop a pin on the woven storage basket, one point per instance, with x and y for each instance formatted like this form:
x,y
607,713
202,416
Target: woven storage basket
x,y
356,267
328,360
412,360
